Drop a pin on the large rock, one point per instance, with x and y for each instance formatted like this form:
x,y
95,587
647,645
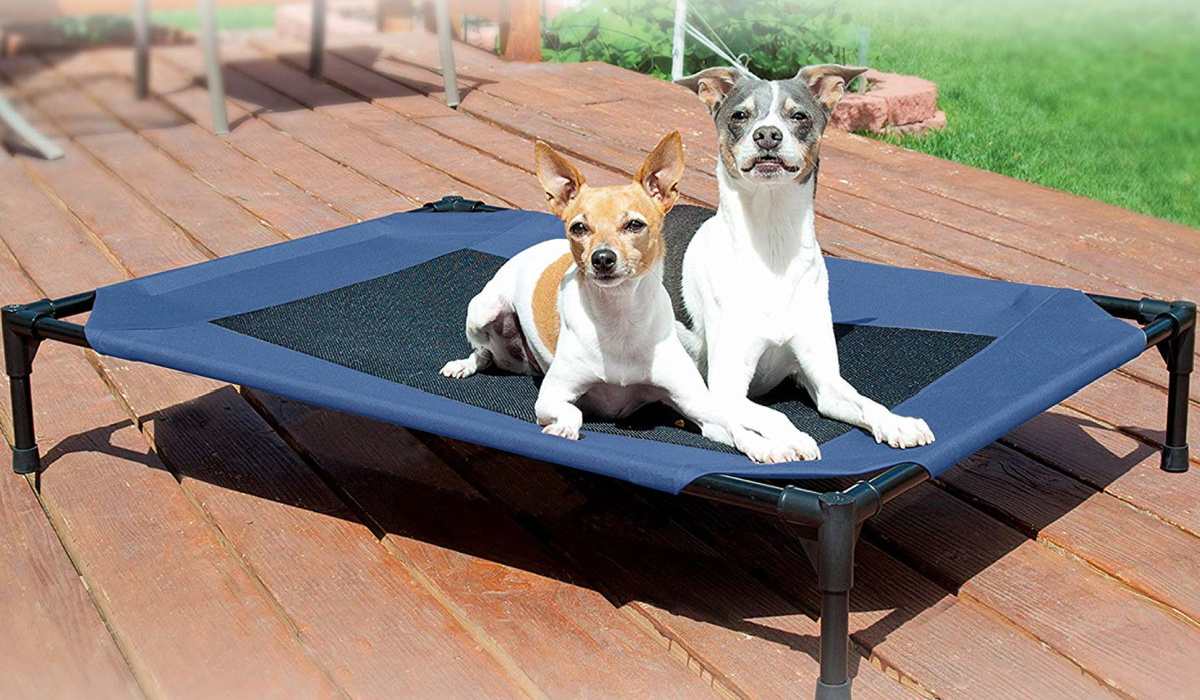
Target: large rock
x,y
892,102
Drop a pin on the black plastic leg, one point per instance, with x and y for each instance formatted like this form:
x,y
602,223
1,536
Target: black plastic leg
x,y
1179,352
18,362
836,539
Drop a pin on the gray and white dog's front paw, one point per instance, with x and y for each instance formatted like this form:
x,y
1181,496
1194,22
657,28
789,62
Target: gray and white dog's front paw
x,y
901,431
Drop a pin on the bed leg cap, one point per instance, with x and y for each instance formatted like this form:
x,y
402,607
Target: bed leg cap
x,y
1175,459
840,691
26,460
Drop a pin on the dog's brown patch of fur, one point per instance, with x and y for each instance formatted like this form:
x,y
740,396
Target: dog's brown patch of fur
x,y
545,302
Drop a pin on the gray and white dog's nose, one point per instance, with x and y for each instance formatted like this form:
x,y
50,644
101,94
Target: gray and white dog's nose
x,y
768,137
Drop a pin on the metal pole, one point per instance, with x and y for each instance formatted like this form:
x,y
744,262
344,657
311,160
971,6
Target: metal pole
x,y
212,63
23,129
141,41
441,10
1180,354
316,47
836,540
678,40
864,40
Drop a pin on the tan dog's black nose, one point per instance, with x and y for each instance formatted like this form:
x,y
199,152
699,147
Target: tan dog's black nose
x,y
768,137
604,260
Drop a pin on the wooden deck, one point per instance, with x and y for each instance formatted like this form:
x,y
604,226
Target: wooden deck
x,y
192,539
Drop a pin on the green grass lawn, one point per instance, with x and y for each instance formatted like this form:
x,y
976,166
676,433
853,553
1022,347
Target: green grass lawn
x,y
1096,98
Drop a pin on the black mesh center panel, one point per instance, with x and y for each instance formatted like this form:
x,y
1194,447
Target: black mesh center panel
x,y
404,326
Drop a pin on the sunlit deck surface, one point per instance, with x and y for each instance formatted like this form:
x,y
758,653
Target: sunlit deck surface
x,y
193,539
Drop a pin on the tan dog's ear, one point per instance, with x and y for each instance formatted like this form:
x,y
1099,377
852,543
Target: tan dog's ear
x,y
561,180
711,85
661,171
828,81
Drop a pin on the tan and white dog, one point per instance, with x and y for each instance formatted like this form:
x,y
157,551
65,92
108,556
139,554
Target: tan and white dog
x,y
591,313
754,279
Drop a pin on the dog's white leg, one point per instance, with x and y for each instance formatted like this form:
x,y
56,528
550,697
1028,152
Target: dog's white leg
x,y
732,361
820,374
728,428
727,423
555,408
776,426
482,312
732,358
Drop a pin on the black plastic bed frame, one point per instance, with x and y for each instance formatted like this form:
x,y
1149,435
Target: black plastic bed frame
x,y
828,522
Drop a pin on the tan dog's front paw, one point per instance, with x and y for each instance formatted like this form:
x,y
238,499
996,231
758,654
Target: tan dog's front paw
x,y
902,431
562,430
459,369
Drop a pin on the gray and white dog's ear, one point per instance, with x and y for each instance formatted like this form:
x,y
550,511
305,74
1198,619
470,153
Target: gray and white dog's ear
x,y
711,84
828,81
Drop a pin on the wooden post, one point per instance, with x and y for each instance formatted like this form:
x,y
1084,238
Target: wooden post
x,y
520,24
521,31
395,15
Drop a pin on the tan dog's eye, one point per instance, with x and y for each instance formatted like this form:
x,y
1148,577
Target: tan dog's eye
x,y
579,229
635,226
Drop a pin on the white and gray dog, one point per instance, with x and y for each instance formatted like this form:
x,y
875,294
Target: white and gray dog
x,y
754,279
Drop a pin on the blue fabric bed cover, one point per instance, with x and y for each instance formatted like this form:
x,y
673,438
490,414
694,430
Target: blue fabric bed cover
x,y
1049,344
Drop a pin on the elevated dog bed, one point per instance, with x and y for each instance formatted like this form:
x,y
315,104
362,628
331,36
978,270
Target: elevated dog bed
x,y
362,318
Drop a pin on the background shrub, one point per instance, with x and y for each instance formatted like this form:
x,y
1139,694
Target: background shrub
x,y
775,37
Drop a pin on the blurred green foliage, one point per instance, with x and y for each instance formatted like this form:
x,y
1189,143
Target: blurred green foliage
x,y
108,29
228,18
775,37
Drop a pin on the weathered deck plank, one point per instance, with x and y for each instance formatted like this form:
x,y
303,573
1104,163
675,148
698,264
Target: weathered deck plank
x,y
1105,628
1153,557
122,515
63,649
388,166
